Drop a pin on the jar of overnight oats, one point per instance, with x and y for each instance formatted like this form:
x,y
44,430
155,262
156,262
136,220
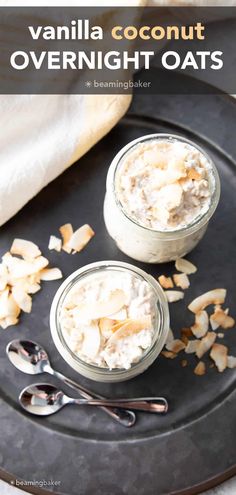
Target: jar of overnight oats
x,y
161,192
109,321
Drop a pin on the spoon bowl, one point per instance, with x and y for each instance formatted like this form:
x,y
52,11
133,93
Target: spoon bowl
x,y
27,356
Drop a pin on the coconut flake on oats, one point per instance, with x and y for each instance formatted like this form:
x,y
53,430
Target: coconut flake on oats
x,y
123,309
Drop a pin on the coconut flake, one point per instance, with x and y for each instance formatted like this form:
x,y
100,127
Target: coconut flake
x,y
130,328
185,266
166,282
80,238
175,346
54,243
219,355
200,328
50,274
205,344
231,362
100,309
3,277
26,249
200,369
191,346
169,354
22,299
174,295
66,232
91,340
220,318
215,296
181,280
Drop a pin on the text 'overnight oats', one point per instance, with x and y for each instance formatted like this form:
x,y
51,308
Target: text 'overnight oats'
x,y
161,192
108,320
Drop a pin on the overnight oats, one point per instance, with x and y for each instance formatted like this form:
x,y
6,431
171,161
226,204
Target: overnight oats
x,y
161,192
109,320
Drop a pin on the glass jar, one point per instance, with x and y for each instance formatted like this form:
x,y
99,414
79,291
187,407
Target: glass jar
x,y
102,374
143,243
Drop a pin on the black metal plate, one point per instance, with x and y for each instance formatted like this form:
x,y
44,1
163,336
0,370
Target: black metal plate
x,y
191,448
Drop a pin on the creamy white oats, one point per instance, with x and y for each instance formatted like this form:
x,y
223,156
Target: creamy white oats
x,y
164,185
108,319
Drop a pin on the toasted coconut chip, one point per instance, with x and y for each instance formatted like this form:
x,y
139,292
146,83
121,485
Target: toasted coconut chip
x,y
80,238
185,266
91,340
219,355
215,296
55,243
220,335
119,324
186,333
101,309
174,295
26,285
165,282
66,232
184,363
200,328
130,328
220,318
22,299
175,346
200,369
8,306
3,277
20,268
50,274
231,362
8,322
205,344
193,174
170,336
191,346
181,280
27,249
169,354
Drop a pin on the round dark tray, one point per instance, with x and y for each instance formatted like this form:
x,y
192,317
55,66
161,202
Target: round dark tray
x,y
193,447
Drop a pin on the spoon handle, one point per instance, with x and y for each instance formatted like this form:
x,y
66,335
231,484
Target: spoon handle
x,y
123,416
158,405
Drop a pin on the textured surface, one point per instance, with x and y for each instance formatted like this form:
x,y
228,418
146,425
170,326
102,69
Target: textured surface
x,y
156,453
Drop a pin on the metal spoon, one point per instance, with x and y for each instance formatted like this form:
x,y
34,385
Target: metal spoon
x,y
44,399
31,358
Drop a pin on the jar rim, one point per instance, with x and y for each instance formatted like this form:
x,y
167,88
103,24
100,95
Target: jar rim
x,y
70,357
200,220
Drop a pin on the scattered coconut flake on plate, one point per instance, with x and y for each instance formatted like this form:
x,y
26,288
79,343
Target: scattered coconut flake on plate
x,y
181,280
165,282
201,325
80,238
175,346
205,344
186,333
220,318
170,336
215,296
219,355
185,266
50,274
169,354
54,243
20,276
231,362
184,363
191,346
200,369
66,232
26,249
174,295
